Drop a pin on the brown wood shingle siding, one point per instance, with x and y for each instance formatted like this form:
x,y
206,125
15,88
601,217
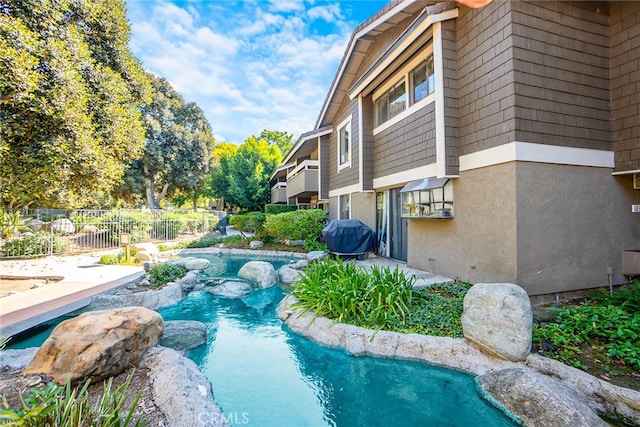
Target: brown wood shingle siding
x,y
485,77
347,176
408,144
625,84
450,97
561,79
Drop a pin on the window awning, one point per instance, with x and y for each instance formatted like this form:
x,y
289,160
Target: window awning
x,y
424,184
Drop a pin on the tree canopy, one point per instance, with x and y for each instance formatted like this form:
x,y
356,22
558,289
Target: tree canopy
x,y
242,174
70,98
283,140
178,148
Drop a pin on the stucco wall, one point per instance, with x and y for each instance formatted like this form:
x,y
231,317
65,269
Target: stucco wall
x,y
479,244
573,223
546,227
363,207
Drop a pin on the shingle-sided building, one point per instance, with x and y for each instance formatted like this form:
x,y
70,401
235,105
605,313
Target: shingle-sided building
x,y
495,144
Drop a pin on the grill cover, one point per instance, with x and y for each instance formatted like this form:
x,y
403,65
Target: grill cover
x,y
348,237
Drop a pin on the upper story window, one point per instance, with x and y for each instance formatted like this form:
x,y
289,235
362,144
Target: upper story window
x,y
411,85
344,144
391,103
422,80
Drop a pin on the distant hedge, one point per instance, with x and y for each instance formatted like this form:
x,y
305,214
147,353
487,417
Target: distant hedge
x,y
299,225
273,209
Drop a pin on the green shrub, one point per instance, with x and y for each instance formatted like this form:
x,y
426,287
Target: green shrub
x,y
380,299
164,273
136,224
167,227
8,222
64,406
610,326
252,222
273,209
33,245
198,222
303,224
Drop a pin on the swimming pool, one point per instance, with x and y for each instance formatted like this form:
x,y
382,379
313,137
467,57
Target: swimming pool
x,y
263,374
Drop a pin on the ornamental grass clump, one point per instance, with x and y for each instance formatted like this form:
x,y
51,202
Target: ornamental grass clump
x,y
67,406
380,299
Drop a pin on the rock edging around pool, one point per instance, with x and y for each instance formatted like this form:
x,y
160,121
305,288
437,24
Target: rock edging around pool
x,y
458,353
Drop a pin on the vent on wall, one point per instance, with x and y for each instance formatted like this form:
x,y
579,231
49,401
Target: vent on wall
x,y
636,181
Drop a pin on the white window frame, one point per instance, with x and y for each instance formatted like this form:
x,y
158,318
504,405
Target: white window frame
x,y
404,74
345,124
340,205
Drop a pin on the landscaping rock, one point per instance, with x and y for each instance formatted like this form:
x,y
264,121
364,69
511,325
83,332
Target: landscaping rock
x,y
302,264
539,400
316,256
288,275
181,390
34,224
182,335
196,264
231,289
97,344
91,229
62,226
152,299
256,244
189,279
497,318
260,273
147,247
144,256
16,359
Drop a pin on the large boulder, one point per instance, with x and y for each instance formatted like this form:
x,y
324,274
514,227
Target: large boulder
x,y
497,318
539,400
153,299
317,256
148,250
261,273
196,263
62,226
97,344
288,275
183,335
231,289
181,390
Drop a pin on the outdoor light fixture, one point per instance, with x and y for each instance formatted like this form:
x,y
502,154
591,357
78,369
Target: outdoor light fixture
x,y
474,3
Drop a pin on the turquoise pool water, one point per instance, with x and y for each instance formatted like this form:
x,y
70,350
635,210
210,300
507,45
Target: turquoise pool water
x,y
265,375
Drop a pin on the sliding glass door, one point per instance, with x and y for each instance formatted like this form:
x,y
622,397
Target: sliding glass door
x,y
390,226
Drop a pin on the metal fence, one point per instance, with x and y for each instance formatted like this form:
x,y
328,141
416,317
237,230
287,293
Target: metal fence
x,y
44,232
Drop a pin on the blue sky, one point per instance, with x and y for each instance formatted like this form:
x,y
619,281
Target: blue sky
x,y
250,65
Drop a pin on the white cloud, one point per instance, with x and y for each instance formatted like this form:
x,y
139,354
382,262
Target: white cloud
x,y
284,6
329,13
250,66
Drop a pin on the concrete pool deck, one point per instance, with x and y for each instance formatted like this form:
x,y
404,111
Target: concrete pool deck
x,y
85,277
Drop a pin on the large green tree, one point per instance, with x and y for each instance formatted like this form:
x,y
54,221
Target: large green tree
x,y
242,175
178,149
284,140
70,98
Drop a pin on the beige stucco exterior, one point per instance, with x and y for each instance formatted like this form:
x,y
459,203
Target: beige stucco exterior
x,y
549,228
